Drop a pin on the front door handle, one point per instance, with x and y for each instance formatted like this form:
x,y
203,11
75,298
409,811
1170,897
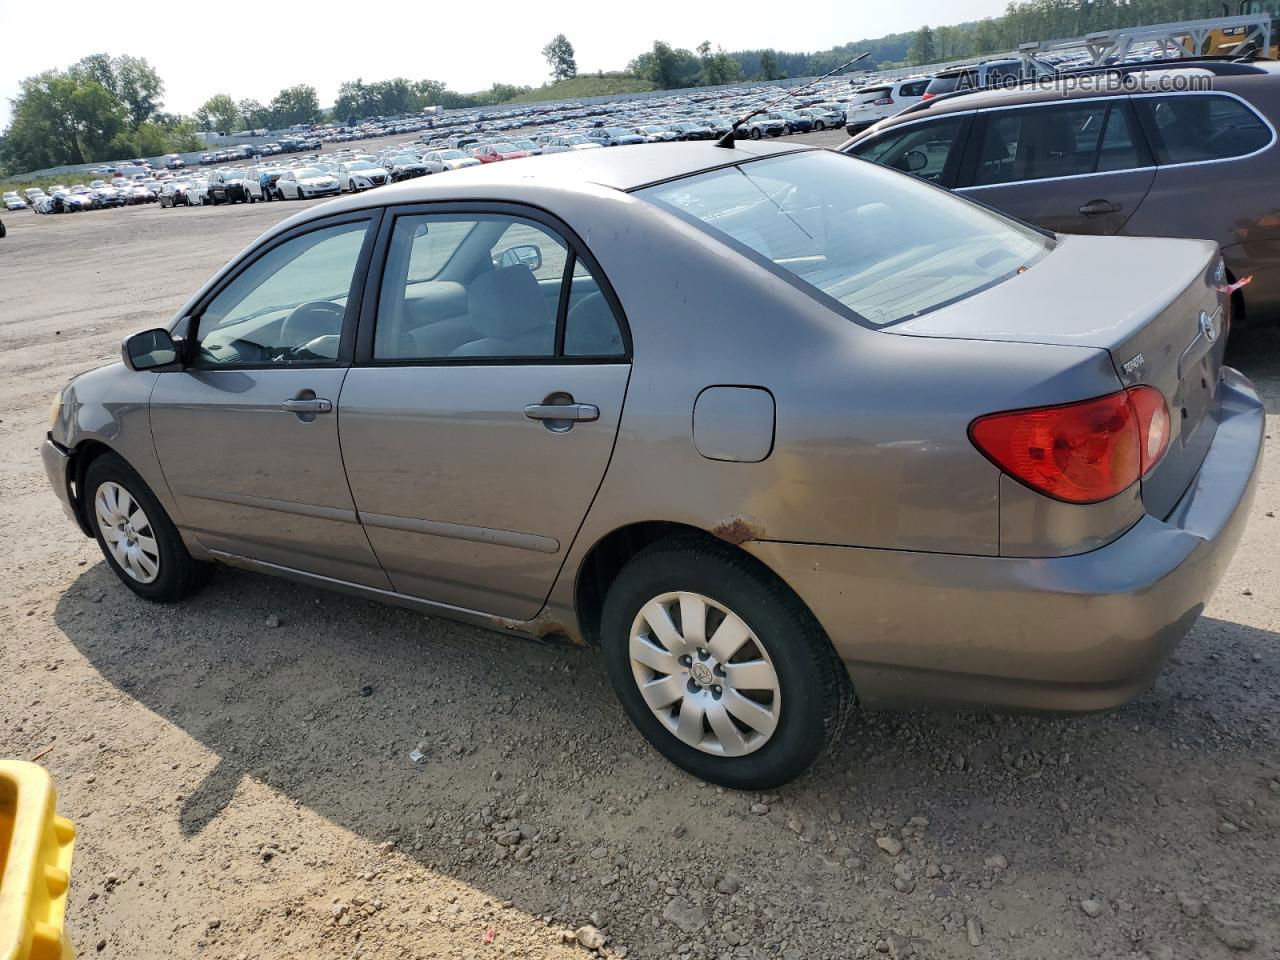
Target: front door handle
x,y
1099,208
312,405
577,412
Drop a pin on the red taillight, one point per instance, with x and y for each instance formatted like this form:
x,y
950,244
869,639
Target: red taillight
x,y
1079,452
928,96
1153,424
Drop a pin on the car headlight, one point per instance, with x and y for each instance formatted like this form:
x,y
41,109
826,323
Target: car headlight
x,y
55,411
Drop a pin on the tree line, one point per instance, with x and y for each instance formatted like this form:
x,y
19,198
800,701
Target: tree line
x,y
99,108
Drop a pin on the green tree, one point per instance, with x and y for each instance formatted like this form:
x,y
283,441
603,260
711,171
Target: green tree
x,y
219,114
717,68
666,67
769,66
131,80
293,105
62,117
559,55
254,114
923,49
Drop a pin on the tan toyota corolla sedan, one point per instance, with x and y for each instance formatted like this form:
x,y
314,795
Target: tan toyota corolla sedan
x,y
773,427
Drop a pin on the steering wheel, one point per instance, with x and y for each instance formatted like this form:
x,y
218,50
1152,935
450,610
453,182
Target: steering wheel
x,y
310,321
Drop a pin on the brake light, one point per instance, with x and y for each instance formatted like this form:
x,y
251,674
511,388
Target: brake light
x,y
927,95
882,102
1082,452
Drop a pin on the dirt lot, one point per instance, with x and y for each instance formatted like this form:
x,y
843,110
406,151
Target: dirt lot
x,y
246,791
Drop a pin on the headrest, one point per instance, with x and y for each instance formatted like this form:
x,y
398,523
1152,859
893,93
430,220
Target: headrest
x,y
506,302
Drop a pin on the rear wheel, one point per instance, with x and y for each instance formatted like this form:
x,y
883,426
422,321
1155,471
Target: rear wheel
x,y
819,125
720,666
755,133
138,539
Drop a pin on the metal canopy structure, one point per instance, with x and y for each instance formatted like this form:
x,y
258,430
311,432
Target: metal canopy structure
x,y
1171,40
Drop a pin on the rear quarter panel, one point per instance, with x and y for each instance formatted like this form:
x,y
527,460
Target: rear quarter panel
x,y
871,445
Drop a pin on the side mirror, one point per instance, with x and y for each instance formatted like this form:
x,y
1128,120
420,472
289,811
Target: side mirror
x,y
914,161
527,254
150,350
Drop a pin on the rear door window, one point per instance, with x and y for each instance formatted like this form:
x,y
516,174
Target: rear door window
x,y
914,89
1198,127
1060,140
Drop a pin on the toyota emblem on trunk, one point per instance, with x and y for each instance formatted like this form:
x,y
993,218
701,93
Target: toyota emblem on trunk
x,y
1208,327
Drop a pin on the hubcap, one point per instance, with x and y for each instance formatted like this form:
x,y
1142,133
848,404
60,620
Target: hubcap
x,y
127,532
704,674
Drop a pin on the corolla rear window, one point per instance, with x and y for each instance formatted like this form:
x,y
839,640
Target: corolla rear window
x,y
876,243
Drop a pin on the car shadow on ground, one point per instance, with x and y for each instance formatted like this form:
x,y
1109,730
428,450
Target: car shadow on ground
x,y
327,706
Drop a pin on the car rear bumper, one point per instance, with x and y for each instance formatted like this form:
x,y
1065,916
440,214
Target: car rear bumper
x,y
1077,633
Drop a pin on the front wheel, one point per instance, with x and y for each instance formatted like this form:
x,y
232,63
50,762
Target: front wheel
x,y
720,666
139,541
819,125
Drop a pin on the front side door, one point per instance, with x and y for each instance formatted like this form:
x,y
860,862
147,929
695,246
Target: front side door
x,y
1075,167
247,434
928,149
481,412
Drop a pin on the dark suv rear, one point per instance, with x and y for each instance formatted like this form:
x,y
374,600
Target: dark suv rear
x,y
1199,161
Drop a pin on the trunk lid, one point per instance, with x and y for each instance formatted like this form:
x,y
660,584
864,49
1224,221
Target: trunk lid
x,y
1151,303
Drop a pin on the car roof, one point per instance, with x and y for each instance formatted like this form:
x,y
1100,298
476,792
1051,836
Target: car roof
x,y
1036,93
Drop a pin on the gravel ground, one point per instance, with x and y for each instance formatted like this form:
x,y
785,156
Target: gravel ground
x,y
239,765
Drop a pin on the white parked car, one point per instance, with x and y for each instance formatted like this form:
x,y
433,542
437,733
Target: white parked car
x,y
874,103
307,182
450,160
572,141
357,175
14,202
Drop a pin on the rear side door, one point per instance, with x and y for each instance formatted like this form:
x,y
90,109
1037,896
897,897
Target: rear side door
x,y
1079,166
482,409
247,432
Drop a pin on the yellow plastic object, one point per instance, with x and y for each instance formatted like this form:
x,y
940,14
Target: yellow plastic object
x,y
35,865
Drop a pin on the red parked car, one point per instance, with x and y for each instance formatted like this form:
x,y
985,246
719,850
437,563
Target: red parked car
x,y
493,152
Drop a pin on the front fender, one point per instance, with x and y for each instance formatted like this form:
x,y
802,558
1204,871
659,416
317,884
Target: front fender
x,y
110,407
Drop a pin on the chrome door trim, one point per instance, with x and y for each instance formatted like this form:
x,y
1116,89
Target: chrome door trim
x,y
267,503
462,531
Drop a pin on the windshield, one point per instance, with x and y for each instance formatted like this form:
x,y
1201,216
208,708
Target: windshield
x,y
451,155
878,243
360,165
307,173
574,138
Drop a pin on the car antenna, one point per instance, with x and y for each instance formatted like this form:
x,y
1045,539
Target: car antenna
x,y
727,139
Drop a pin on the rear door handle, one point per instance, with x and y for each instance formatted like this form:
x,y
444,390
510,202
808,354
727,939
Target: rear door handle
x,y
315,405
1098,208
562,411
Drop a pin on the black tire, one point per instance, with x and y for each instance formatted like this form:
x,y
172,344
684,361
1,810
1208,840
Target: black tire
x,y
819,125
755,133
816,696
179,575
